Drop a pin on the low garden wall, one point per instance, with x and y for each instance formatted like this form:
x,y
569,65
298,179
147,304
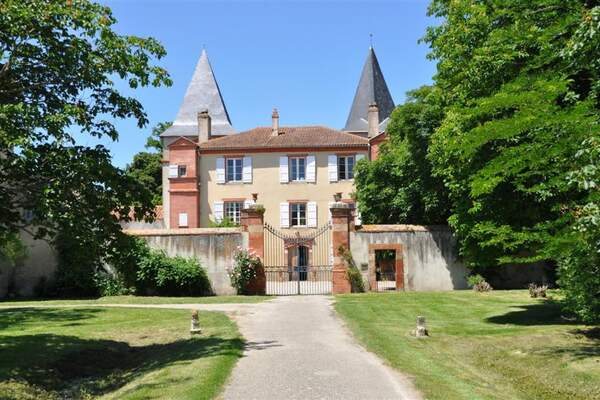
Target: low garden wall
x,y
429,254
212,247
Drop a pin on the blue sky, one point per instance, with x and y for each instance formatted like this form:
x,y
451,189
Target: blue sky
x,y
303,57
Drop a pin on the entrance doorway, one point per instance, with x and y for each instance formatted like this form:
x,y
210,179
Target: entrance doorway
x,y
385,270
386,267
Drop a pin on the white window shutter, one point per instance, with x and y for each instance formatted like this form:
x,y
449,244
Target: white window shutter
x,y
357,217
283,170
247,170
173,171
248,203
332,168
359,157
311,169
221,170
183,219
218,211
311,211
284,215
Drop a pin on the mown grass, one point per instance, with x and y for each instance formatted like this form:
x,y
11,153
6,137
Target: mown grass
x,y
81,353
138,300
498,345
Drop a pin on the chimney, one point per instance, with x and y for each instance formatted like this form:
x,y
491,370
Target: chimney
x,y
373,120
204,126
275,117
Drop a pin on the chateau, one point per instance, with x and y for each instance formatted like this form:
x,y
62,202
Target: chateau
x,y
211,172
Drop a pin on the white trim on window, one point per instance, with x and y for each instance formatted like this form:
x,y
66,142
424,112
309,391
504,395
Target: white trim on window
x,y
284,215
247,170
311,169
220,170
332,168
283,170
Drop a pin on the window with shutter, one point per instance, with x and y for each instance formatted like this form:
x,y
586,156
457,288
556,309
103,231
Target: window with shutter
x,y
284,215
247,170
220,170
311,169
218,211
311,210
332,168
283,170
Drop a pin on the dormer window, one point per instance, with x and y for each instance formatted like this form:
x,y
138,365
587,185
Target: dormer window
x,y
181,170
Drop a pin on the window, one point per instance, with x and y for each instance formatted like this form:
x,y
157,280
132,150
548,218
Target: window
x,y
233,210
345,167
297,168
181,170
298,214
183,220
234,169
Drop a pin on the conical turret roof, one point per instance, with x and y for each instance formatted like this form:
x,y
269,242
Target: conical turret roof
x,y
371,89
202,94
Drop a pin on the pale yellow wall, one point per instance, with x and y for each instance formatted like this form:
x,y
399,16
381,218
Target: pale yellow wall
x,y
265,182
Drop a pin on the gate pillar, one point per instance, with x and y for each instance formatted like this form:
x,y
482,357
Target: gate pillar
x,y
251,220
341,218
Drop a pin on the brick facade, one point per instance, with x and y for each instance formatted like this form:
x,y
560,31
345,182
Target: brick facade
x,y
252,222
341,222
184,196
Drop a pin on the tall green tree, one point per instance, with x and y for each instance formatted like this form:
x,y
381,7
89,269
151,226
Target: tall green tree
x,y
521,79
146,166
398,187
58,63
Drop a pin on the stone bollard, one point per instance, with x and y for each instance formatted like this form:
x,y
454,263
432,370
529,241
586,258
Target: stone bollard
x,y
195,328
421,330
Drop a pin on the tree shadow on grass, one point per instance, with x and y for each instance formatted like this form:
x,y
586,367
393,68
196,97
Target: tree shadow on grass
x,y
17,316
547,312
68,364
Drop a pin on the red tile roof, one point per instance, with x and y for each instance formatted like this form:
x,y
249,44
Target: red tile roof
x,y
289,137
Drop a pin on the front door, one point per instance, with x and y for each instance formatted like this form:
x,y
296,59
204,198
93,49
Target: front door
x,y
302,262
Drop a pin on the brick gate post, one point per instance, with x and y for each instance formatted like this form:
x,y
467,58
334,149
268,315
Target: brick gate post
x,y
341,217
251,220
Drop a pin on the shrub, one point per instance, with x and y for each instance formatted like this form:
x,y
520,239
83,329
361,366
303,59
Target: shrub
x,y
579,280
478,283
224,223
352,273
245,269
171,276
537,291
111,284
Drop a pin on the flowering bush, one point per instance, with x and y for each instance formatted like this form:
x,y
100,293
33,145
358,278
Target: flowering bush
x,y
245,268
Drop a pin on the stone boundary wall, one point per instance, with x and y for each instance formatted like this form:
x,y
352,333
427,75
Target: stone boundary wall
x,y
37,270
212,247
429,254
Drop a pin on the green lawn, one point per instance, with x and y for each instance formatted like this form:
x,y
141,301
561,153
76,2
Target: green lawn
x,y
139,300
81,353
498,345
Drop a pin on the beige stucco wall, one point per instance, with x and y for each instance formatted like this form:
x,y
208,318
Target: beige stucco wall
x,y
213,248
38,267
265,182
430,258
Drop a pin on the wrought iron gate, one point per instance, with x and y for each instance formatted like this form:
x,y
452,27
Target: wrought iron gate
x,y
298,262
